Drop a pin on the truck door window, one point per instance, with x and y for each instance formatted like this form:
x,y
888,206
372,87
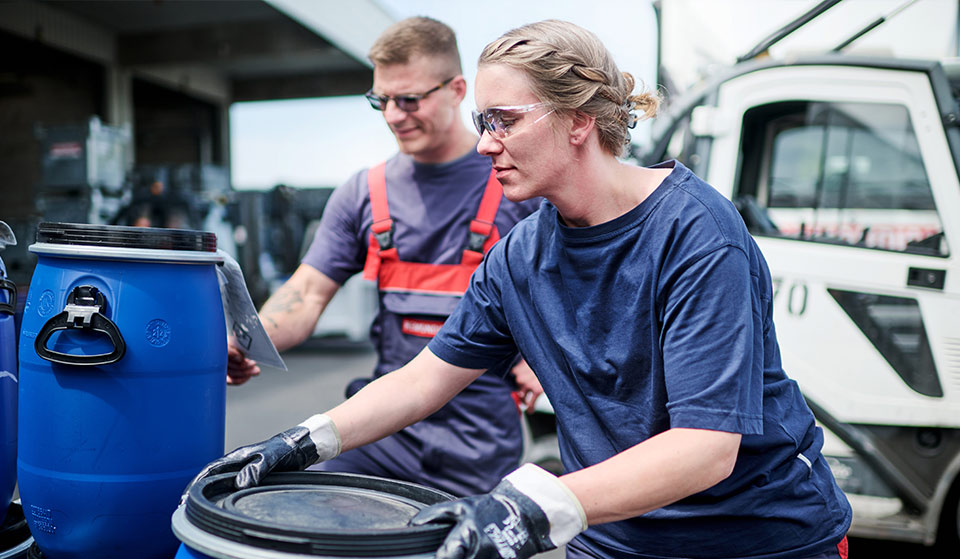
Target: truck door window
x,y
894,325
843,173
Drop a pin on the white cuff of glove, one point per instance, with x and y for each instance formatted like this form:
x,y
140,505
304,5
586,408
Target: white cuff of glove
x,y
555,499
324,434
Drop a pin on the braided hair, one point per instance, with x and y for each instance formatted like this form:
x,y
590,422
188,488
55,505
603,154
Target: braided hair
x,y
571,70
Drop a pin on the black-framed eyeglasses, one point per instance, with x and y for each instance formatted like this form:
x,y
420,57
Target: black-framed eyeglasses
x,y
406,103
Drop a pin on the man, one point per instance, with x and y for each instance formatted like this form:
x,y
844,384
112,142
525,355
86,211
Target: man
x,y
418,224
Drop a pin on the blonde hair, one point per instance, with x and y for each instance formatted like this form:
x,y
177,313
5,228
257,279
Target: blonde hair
x,y
571,70
418,36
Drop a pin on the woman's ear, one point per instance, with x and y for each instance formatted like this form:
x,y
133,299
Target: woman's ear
x,y
580,127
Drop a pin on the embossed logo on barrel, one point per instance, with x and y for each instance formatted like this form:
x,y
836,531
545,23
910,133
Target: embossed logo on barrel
x,y
46,306
158,332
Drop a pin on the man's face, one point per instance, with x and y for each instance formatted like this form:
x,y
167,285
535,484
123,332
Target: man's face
x,y
426,133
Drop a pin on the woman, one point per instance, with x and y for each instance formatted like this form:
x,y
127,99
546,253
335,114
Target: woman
x,y
644,306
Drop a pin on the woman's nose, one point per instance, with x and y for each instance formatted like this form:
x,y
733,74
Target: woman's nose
x,y
488,145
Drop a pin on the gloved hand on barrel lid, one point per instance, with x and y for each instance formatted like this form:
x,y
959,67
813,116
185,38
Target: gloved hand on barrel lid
x,y
529,512
314,440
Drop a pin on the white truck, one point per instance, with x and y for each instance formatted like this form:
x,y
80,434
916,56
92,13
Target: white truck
x,y
845,170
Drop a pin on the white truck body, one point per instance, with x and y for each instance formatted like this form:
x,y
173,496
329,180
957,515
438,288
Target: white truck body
x,y
846,171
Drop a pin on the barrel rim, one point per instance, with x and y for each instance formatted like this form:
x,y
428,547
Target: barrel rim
x,y
120,253
205,510
197,540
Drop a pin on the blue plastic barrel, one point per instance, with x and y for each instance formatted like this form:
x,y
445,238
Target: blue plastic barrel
x,y
122,386
8,391
186,553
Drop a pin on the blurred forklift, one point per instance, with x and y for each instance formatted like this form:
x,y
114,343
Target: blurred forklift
x,y
84,179
181,196
83,174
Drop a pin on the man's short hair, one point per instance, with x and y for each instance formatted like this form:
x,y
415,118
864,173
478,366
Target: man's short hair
x,y
418,36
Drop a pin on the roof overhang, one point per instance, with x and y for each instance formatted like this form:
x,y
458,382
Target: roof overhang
x,y
257,49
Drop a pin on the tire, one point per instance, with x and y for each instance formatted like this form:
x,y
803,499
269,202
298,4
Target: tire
x,y
948,532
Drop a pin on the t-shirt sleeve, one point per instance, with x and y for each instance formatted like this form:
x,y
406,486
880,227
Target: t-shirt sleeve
x,y
476,335
338,248
712,344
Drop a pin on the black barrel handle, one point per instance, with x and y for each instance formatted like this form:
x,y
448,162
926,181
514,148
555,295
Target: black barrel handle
x,y
83,311
10,307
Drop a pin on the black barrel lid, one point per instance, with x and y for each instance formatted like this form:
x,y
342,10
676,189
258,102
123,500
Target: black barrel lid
x,y
125,237
319,513
14,530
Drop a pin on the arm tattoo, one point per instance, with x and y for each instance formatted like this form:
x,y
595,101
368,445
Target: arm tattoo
x,y
286,299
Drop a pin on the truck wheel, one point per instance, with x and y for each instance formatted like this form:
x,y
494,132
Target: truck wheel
x,y
948,533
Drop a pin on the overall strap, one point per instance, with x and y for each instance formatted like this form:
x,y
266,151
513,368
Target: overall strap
x,y
381,231
483,231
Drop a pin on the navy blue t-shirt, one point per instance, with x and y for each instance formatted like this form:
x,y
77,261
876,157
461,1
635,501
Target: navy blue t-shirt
x,y
660,318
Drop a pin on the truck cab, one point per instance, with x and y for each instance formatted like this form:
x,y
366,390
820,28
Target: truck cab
x,y
845,170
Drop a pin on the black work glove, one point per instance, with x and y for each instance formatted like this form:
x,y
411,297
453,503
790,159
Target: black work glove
x,y
528,512
314,440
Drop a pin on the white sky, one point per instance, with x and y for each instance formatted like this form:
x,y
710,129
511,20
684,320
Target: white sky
x,y
321,142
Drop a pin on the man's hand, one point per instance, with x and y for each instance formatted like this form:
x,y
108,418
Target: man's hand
x,y
314,440
529,512
528,386
239,368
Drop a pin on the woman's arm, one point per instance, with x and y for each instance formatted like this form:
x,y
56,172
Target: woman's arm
x,y
661,470
399,399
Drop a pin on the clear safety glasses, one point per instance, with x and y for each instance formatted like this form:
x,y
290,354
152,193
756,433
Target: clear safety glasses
x,y
406,103
501,121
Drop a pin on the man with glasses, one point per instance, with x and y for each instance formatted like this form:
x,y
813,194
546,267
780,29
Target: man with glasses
x,y
418,224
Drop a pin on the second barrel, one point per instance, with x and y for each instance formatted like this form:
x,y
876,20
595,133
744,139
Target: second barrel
x,y
122,386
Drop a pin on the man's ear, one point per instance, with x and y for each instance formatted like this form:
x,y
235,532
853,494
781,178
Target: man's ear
x,y
580,127
458,86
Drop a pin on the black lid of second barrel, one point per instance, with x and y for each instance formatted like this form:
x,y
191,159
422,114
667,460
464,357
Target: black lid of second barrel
x,y
319,513
83,234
